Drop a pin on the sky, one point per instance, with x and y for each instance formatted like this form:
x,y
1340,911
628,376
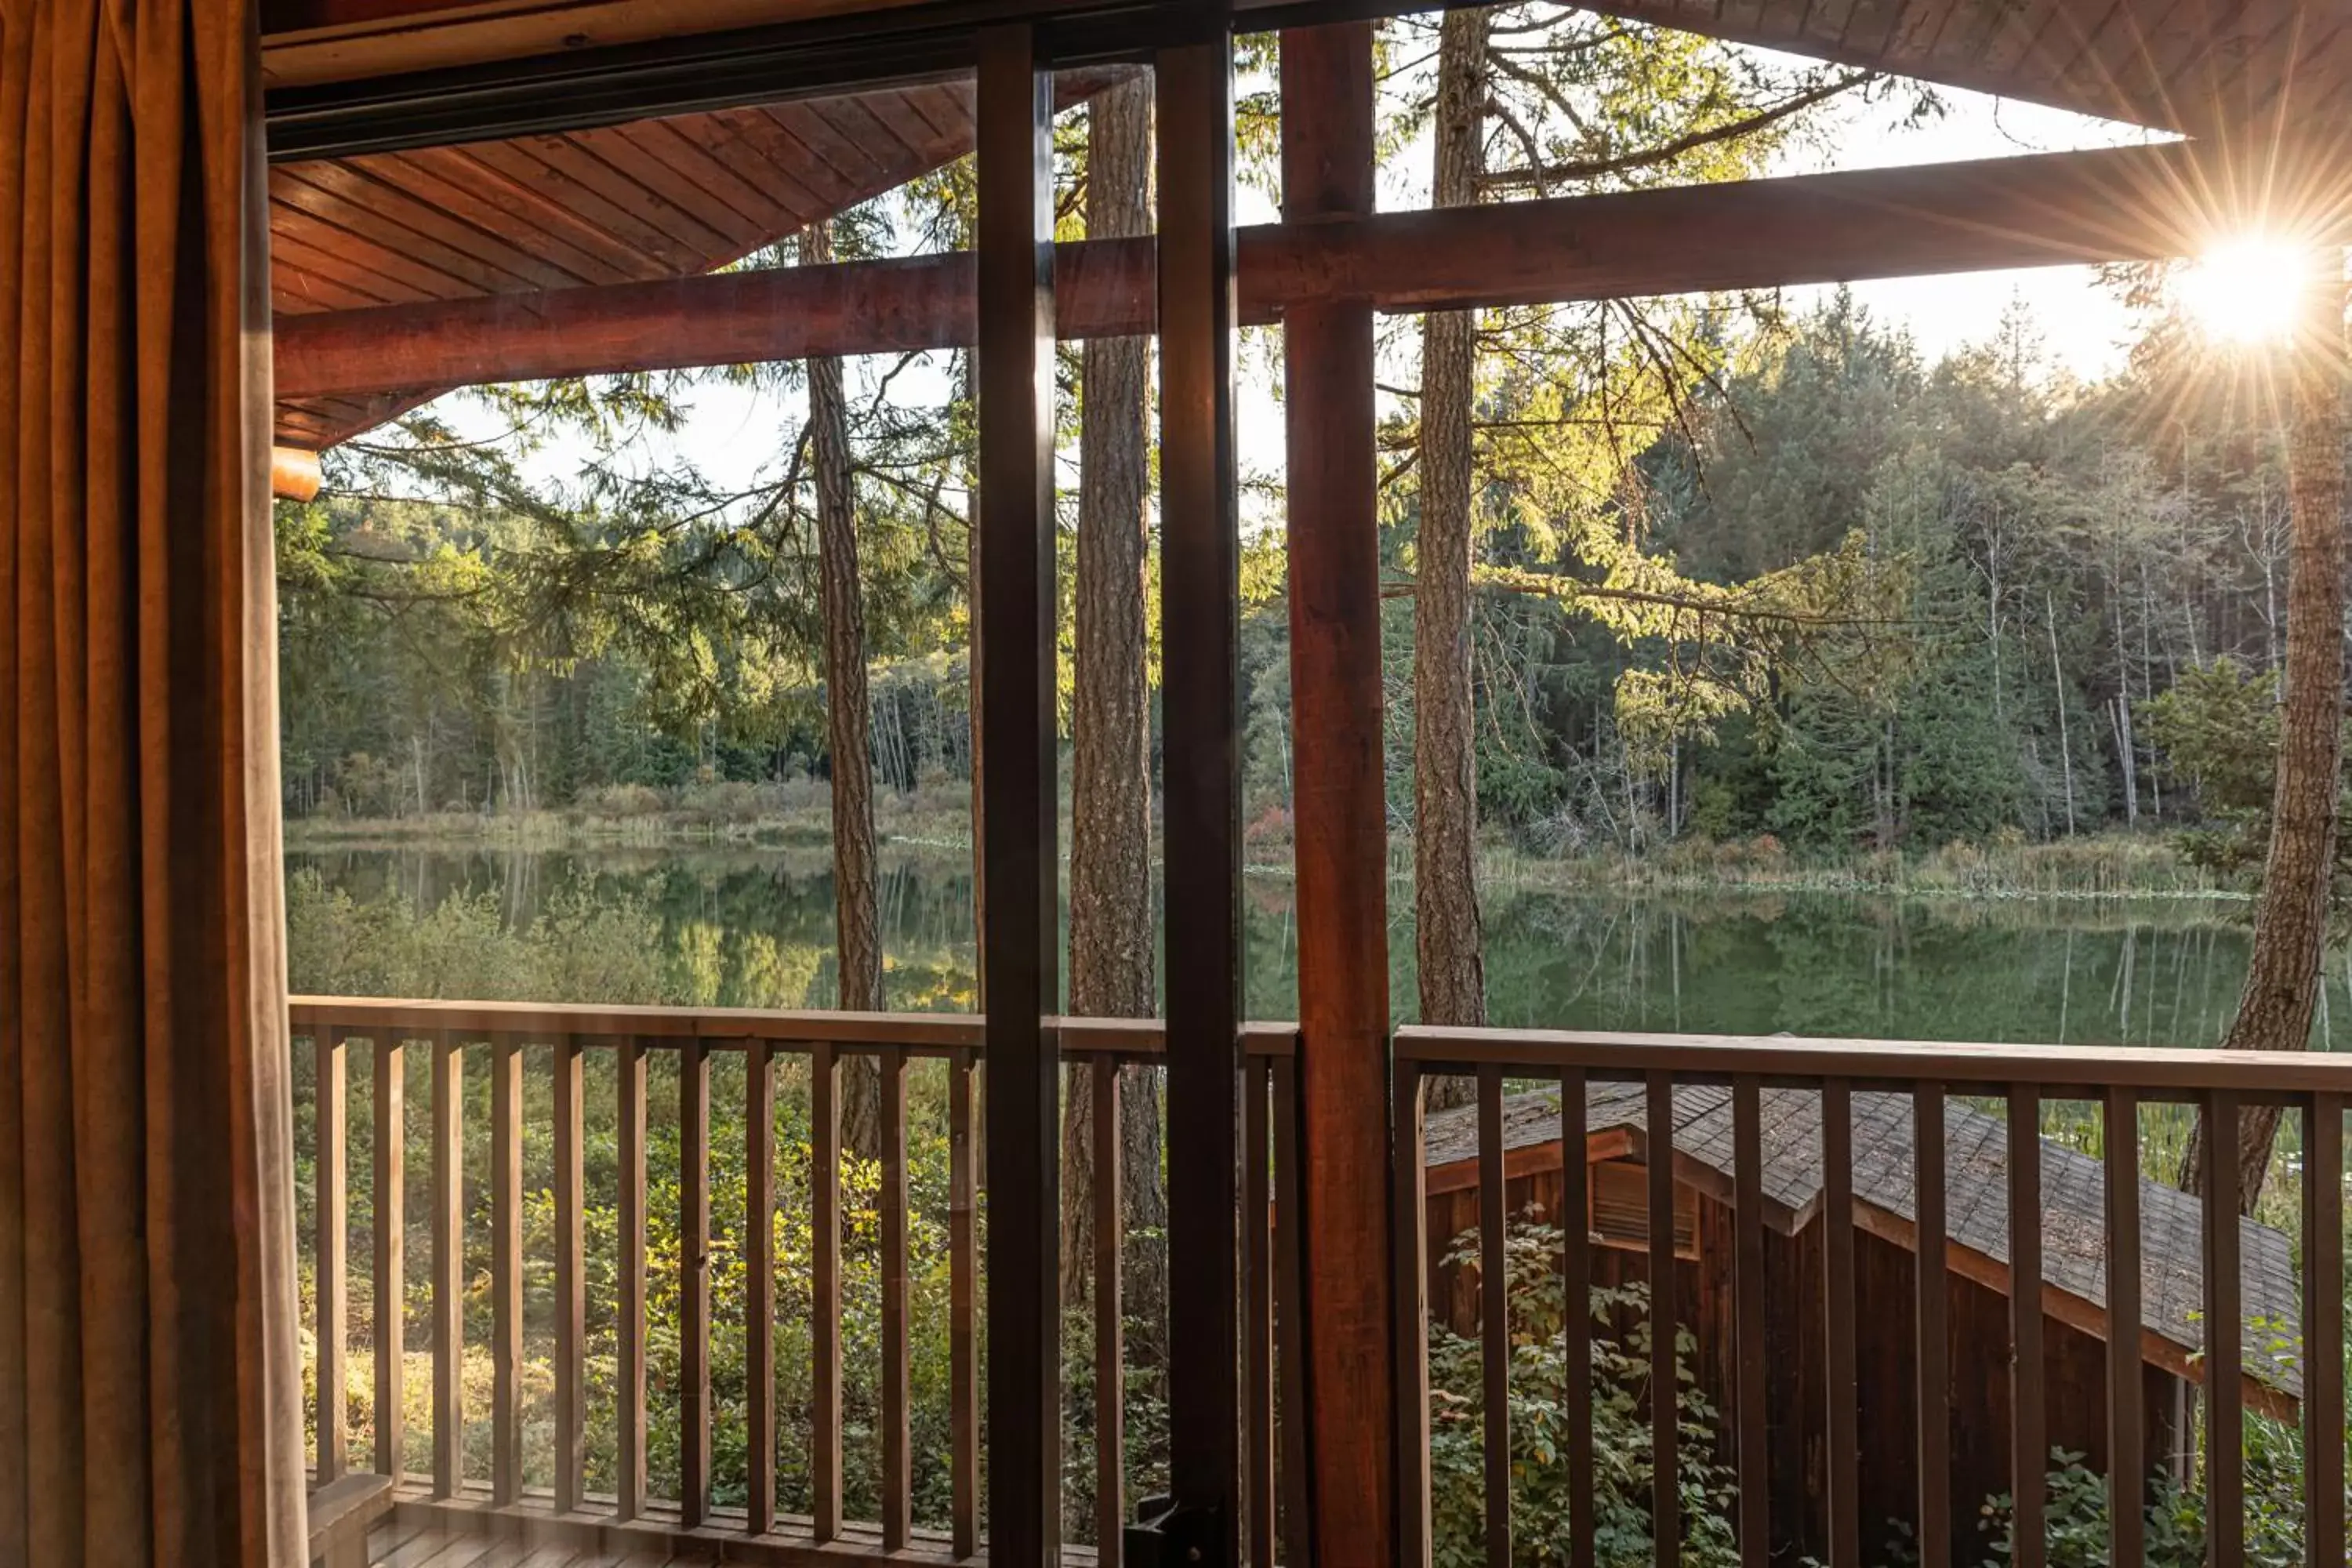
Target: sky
x,y
734,435
2088,329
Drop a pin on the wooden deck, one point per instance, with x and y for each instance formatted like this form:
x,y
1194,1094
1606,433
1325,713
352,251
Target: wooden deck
x,y
428,1535
398,1544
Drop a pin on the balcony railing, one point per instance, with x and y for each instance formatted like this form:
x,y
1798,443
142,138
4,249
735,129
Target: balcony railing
x,y
1834,1252
1847,1410
525,1046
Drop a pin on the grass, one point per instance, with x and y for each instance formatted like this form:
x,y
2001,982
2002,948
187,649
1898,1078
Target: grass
x,y
795,811
2104,865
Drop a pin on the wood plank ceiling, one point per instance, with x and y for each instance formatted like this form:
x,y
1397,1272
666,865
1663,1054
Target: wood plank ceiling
x,y
653,199
2194,66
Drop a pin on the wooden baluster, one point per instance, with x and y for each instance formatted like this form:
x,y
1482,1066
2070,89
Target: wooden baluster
x,y
824,1300
1408,1200
448,1265
760,1282
1110,1329
1297,1533
1257,1312
570,1279
506,1270
1749,1351
2126,1465
1666,1457
2322,1329
391,1255
1493,1316
963,1314
897,1476
1841,1383
1932,1286
2225,1397
1576,1297
2029,1442
694,1282
331,1265
629,1079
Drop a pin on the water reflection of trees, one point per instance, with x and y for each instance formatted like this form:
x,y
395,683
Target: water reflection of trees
x,y
1836,965
741,926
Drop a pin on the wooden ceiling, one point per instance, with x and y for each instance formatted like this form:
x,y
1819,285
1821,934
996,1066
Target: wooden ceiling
x,y
2196,66
650,200
2182,65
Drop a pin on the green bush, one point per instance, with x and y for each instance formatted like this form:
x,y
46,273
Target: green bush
x,y
1538,1403
2075,1519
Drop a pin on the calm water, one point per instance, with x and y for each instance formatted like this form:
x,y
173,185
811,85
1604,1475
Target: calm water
x,y
754,927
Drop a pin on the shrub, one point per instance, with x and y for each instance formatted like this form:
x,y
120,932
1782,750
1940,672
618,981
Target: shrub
x,y
1539,1403
622,800
2075,1517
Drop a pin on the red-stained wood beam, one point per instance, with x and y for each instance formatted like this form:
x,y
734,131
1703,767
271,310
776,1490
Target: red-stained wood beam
x,y
1340,853
2050,209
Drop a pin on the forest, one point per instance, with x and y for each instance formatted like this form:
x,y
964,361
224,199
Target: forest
x,y
2064,572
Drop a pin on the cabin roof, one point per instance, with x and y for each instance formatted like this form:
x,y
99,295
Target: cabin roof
x,y
1975,1163
641,202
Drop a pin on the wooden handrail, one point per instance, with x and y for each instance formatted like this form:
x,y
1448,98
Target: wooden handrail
x,y
732,1028
2158,1073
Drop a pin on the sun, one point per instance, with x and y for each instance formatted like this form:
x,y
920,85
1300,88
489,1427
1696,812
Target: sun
x,y
2247,292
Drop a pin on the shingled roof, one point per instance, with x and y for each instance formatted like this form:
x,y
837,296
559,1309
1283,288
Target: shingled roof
x,y
1975,1163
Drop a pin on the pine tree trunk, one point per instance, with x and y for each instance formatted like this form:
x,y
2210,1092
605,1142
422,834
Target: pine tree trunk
x,y
2275,1012
848,739
1111,948
1445,802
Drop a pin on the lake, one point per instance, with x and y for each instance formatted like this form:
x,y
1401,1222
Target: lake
x,y
751,927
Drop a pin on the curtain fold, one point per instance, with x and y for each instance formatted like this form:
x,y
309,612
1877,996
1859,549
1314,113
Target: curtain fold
x,y
150,1399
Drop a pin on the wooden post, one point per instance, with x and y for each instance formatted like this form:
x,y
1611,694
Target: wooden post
x,y
1020,925
1201,595
1341,832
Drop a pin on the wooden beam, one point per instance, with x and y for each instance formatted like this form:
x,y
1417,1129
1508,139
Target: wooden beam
x,y
310,42
1020,977
1342,847
2050,209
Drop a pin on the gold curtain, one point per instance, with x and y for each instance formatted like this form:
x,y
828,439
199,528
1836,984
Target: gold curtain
x,y
149,1400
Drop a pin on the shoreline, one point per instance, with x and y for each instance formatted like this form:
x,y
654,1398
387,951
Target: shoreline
x,y
2107,870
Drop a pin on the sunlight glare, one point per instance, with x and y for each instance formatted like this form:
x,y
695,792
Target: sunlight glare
x,y
2246,291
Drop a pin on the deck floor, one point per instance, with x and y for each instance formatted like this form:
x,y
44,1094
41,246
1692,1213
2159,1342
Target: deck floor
x,y
398,1544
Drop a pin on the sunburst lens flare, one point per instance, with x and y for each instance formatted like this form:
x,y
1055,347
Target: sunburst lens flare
x,y
2247,292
